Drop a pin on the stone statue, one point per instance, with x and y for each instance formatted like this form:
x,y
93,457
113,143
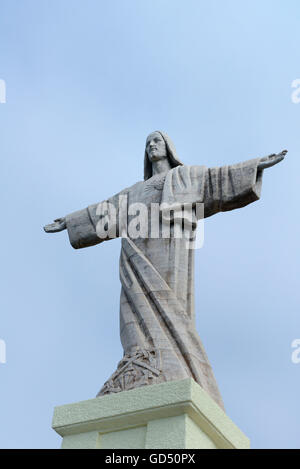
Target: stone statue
x,y
157,319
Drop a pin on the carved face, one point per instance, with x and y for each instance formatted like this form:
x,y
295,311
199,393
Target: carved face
x,y
156,147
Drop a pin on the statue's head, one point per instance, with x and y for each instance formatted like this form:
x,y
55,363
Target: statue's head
x,y
158,147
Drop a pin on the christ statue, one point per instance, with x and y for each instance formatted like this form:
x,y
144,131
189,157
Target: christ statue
x,y
157,316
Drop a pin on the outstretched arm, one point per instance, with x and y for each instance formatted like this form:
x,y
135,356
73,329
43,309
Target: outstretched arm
x,y
92,225
82,225
235,186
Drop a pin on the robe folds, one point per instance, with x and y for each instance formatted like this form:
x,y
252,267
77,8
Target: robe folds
x,y
157,319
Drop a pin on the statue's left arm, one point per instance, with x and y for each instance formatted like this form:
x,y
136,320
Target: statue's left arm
x,y
235,186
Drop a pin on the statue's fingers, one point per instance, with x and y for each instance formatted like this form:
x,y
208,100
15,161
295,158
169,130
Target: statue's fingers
x,y
51,228
275,160
270,162
267,158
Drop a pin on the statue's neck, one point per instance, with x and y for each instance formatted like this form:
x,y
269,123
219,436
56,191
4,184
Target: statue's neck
x,y
161,166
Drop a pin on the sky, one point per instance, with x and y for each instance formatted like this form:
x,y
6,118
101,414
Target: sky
x,y
86,82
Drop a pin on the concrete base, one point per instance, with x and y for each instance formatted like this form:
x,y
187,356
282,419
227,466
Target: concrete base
x,y
171,415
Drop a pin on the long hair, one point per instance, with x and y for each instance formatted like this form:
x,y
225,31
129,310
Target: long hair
x,y
171,153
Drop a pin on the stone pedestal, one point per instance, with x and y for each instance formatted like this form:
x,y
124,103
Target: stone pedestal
x,y
171,415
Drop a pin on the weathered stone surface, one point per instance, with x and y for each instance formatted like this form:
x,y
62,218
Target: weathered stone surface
x,y
157,327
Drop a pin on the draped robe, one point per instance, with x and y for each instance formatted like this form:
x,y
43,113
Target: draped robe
x,y
157,318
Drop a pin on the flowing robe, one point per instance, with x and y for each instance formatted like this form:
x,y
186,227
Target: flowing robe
x,y
157,320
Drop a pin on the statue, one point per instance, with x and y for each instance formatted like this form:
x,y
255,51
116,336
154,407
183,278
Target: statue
x,y
157,325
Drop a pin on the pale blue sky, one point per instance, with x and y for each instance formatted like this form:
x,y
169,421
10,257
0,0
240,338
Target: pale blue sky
x,y
86,82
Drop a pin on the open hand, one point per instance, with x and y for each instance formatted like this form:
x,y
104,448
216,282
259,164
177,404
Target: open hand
x,y
58,225
271,160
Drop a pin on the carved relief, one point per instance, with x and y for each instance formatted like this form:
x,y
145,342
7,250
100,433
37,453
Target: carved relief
x,y
134,370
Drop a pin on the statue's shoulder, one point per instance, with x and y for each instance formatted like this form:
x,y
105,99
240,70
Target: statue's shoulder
x,y
186,172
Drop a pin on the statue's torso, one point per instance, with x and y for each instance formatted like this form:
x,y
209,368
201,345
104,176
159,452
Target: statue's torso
x,y
170,256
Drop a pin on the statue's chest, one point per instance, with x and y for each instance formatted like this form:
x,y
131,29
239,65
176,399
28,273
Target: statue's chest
x,y
148,192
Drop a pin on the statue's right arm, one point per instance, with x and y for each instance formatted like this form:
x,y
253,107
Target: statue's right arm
x,y
91,225
58,225
84,226
80,225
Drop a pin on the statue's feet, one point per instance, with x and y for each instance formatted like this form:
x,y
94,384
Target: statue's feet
x,y
136,369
